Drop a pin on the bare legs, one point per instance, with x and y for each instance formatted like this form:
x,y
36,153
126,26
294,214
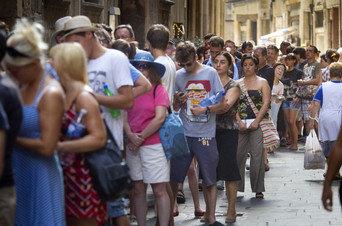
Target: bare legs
x,y
162,202
231,192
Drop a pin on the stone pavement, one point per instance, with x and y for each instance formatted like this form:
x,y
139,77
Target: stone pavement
x,y
292,197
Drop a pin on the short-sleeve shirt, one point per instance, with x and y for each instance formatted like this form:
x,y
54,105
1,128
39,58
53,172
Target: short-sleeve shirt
x,y
319,94
267,73
135,73
310,71
143,111
290,81
203,84
169,76
112,68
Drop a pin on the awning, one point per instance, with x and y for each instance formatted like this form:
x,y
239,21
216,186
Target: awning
x,y
281,33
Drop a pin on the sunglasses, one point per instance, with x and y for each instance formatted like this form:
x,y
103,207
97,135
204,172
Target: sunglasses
x,y
143,66
189,64
15,53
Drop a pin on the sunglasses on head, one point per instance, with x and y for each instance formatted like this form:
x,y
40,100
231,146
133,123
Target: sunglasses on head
x,y
15,53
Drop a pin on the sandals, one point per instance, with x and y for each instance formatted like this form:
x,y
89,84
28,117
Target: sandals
x,y
180,197
259,195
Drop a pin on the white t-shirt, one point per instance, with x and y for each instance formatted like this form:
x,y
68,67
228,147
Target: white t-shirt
x,y
168,79
112,68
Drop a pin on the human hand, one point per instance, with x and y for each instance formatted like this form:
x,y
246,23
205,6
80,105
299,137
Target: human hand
x,y
198,110
242,126
300,82
132,147
327,198
135,139
254,125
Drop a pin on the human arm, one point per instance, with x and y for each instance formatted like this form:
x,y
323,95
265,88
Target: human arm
x,y
123,100
96,131
317,80
228,101
334,164
242,126
266,97
135,141
51,109
156,122
141,85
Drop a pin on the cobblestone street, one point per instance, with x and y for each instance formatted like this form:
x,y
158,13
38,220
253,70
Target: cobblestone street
x,y
292,197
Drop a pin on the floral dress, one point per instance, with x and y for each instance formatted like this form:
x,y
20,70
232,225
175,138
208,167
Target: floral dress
x,y
81,199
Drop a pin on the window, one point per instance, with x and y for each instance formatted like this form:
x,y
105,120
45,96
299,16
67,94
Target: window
x,y
319,19
92,1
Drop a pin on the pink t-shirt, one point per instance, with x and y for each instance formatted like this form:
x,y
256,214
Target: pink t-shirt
x,y
143,111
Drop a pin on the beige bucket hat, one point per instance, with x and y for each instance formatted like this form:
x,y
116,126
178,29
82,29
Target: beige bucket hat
x,y
78,24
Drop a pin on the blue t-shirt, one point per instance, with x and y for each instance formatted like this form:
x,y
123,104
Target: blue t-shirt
x,y
51,71
319,94
135,73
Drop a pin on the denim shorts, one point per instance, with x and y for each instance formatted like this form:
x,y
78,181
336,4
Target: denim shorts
x,y
118,207
206,153
290,105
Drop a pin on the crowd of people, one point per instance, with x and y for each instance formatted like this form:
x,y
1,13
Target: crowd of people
x,y
90,77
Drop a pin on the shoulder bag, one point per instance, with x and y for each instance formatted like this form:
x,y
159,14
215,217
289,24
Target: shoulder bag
x,y
109,172
269,132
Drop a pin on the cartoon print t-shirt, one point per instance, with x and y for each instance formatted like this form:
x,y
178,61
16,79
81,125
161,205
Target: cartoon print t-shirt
x,y
112,69
203,84
196,91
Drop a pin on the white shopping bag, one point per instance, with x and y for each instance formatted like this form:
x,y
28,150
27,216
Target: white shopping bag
x,y
314,157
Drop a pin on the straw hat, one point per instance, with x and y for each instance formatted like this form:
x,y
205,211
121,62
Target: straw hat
x,y
59,28
78,24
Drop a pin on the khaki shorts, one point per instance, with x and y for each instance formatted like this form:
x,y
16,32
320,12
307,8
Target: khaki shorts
x,y
7,205
148,164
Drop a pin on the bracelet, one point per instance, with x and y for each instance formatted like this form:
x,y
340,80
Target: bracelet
x,y
316,119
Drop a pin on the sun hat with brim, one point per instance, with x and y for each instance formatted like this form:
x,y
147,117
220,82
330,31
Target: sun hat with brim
x,y
144,57
59,28
77,24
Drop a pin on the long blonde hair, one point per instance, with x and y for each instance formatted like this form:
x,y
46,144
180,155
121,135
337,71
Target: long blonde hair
x,y
71,59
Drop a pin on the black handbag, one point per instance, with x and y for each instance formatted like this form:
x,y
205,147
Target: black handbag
x,y
109,172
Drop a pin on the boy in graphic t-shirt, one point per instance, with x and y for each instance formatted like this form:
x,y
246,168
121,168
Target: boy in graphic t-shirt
x,y
194,82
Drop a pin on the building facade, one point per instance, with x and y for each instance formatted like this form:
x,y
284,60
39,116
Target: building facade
x,y
317,22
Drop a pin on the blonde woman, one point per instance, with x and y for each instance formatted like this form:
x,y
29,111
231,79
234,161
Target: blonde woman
x,y
38,176
82,203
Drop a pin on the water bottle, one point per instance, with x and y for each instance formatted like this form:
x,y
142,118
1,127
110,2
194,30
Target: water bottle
x,y
113,112
214,99
76,129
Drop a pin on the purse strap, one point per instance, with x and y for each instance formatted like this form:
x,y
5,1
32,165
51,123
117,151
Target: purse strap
x,y
154,97
251,103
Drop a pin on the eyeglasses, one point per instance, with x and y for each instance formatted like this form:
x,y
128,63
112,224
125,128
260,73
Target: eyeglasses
x,y
189,64
143,66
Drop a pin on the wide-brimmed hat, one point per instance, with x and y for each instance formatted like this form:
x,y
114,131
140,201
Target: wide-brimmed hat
x,y
144,57
78,24
59,28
